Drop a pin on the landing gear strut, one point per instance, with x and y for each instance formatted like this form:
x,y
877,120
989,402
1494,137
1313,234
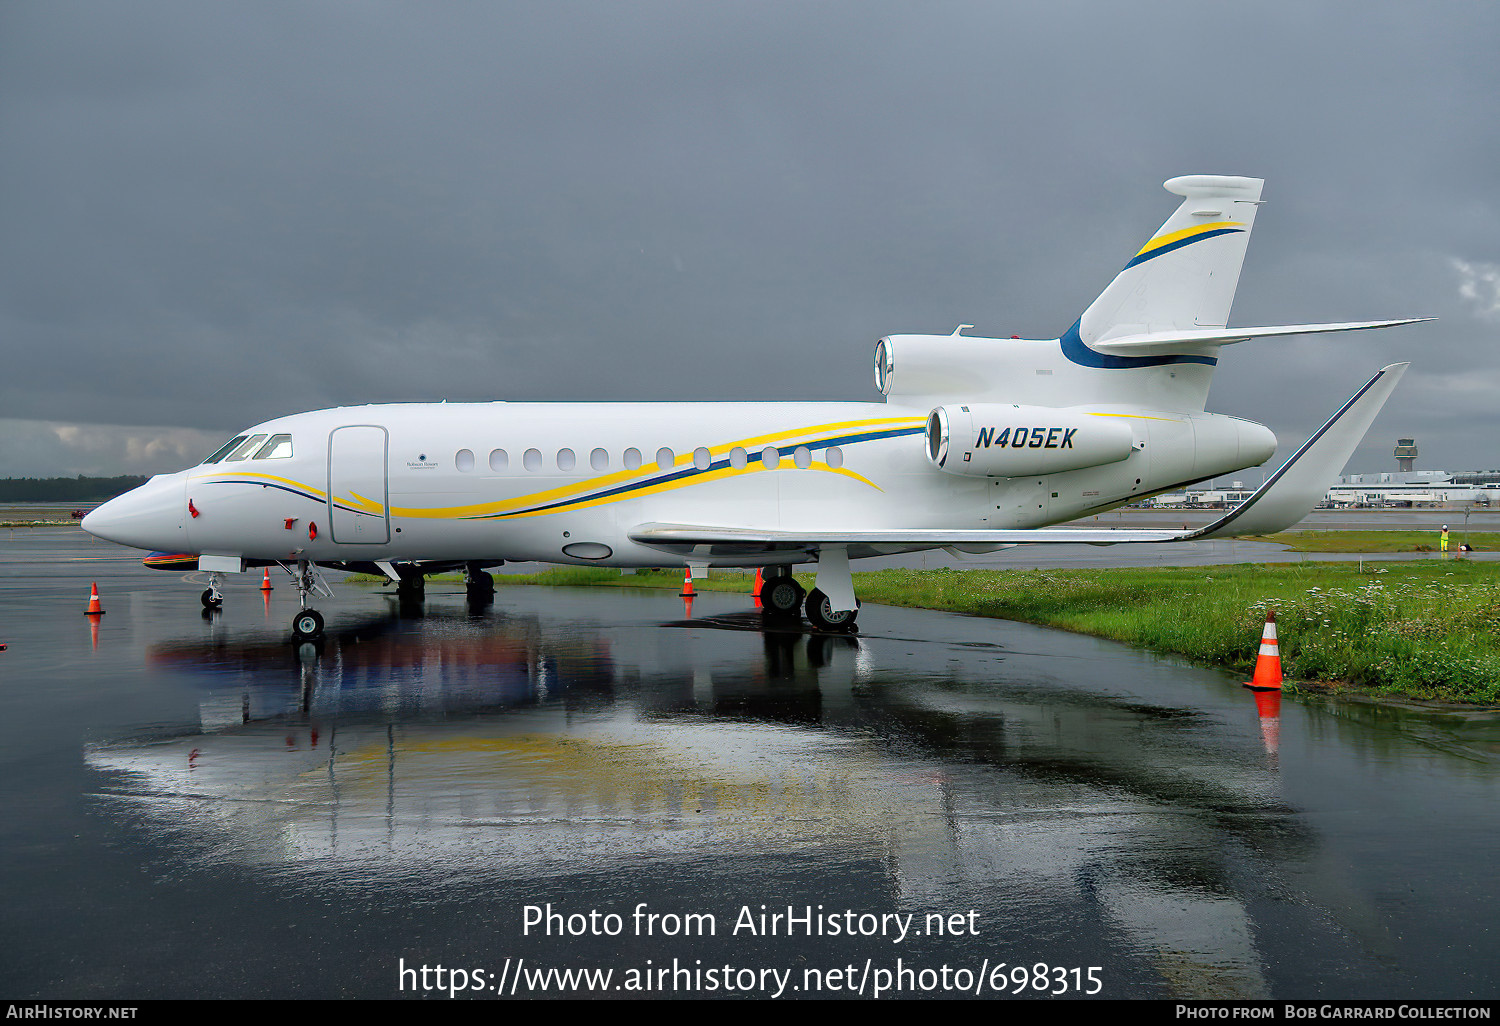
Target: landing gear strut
x,y
213,595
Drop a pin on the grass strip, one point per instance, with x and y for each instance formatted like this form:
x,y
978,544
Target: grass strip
x,y
1380,541
1427,629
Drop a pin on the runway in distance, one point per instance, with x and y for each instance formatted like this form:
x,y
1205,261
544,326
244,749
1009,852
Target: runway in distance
x,y
979,443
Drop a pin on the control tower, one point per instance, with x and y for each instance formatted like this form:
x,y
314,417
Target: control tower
x,y
1406,455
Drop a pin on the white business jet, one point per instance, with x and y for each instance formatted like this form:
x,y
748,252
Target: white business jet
x,y
980,443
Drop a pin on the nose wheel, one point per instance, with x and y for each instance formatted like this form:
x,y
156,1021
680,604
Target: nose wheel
x,y
307,624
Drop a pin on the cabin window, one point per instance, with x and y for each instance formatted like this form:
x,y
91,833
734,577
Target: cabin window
x,y
702,459
665,458
770,457
835,457
802,457
245,448
631,459
532,459
566,460
499,460
224,450
277,447
599,459
464,460
738,458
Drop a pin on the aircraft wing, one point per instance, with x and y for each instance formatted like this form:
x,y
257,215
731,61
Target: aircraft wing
x,y
1287,496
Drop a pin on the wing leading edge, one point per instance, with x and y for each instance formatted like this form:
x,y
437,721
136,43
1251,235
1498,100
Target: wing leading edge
x,y
1287,496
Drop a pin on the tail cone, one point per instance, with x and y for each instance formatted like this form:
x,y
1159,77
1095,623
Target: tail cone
x,y
1268,662
94,609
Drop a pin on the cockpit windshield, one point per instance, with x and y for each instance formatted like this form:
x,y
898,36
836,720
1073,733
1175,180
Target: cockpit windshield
x,y
244,449
224,450
240,447
277,447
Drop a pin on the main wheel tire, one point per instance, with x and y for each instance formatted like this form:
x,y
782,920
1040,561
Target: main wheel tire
x,y
208,599
821,614
308,624
781,596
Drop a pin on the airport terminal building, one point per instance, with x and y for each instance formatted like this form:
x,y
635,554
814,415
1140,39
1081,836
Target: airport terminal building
x,y
1405,486
1434,488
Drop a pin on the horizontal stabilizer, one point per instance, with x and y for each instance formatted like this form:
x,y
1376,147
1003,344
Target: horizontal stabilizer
x,y
1167,341
1287,496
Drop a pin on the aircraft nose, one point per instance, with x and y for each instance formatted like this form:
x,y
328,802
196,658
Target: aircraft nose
x,y
148,517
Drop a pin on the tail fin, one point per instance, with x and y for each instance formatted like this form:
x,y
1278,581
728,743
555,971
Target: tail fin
x,y
1185,277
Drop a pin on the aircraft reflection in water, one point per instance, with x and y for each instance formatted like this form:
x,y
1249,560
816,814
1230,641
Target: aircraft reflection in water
x,y
536,746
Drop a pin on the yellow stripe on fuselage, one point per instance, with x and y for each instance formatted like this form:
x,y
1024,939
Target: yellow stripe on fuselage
x,y
555,498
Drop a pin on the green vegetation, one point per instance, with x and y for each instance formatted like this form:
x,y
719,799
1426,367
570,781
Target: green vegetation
x,y
66,489
1380,541
1428,629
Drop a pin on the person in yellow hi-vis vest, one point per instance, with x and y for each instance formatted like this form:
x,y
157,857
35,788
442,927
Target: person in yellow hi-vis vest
x,y
1443,540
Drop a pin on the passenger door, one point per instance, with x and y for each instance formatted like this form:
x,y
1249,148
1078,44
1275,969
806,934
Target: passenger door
x,y
358,485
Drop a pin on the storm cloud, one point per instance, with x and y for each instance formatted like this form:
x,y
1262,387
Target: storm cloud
x,y
214,213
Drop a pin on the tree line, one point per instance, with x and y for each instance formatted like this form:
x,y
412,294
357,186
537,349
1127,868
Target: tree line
x,y
66,489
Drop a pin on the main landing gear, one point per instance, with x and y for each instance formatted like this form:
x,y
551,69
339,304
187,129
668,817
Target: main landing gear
x,y
782,598
479,586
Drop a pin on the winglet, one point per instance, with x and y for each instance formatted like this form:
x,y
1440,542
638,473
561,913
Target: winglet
x,y
1291,493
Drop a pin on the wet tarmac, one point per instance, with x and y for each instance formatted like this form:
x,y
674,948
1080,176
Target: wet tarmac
x,y
197,807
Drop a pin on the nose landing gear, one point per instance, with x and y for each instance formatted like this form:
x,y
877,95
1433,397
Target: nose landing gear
x,y
308,623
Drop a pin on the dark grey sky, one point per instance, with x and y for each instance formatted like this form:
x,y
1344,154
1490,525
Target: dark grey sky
x,y
211,214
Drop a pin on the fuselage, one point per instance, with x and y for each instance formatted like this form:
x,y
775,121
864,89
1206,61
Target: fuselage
x,y
566,482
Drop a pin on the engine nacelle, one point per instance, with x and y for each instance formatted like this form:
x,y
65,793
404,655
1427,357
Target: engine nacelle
x,y
1001,440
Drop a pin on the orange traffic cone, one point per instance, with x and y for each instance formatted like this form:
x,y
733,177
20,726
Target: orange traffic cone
x,y
1268,662
760,580
265,582
687,583
94,608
